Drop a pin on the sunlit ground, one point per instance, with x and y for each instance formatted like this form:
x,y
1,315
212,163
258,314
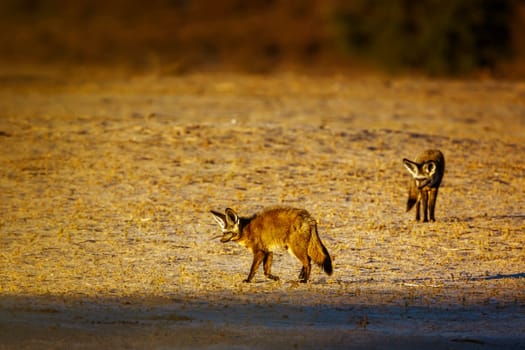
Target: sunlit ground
x,y
107,179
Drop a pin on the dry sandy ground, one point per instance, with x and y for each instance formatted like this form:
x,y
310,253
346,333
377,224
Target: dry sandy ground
x,y
107,179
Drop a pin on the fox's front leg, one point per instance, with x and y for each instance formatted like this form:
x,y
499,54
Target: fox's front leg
x,y
268,265
257,259
424,200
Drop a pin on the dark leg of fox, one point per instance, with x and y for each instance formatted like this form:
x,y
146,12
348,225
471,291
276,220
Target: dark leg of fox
x,y
257,259
432,203
424,200
268,257
418,207
304,274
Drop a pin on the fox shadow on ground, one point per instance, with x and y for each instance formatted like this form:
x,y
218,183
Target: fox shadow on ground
x,y
485,217
500,277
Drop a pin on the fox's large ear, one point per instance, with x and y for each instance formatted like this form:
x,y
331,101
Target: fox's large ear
x,y
219,217
231,216
410,166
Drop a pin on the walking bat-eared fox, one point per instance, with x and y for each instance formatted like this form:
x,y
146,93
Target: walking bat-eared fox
x,y
427,172
292,229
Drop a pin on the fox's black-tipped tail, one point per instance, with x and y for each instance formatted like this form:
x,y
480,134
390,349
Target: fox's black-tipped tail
x,y
327,263
411,202
323,259
319,254
412,195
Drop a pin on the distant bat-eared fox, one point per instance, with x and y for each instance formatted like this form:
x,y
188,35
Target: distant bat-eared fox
x,y
292,229
427,172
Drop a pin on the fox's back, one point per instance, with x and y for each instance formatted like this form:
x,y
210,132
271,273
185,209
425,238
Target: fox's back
x,y
274,226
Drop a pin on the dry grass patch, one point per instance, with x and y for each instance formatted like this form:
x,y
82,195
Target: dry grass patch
x,y
106,189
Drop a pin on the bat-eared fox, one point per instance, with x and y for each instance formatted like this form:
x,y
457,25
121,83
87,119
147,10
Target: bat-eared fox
x,y
292,229
427,172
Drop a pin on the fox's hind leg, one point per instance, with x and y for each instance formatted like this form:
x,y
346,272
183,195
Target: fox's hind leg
x,y
305,260
305,272
268,257
432,203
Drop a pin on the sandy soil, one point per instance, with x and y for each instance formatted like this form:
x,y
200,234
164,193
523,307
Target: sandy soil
x,y
107,179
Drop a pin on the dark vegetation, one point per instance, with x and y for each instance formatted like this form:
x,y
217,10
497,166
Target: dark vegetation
x,y
438,37
434,37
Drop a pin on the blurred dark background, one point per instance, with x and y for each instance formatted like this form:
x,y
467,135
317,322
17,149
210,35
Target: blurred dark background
x,y
434,37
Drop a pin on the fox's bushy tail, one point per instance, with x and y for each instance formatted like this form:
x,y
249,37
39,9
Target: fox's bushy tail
x,y
412,194
318,252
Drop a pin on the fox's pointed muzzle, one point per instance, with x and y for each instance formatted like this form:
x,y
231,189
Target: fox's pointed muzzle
x,y
226,237
230,236
422,182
